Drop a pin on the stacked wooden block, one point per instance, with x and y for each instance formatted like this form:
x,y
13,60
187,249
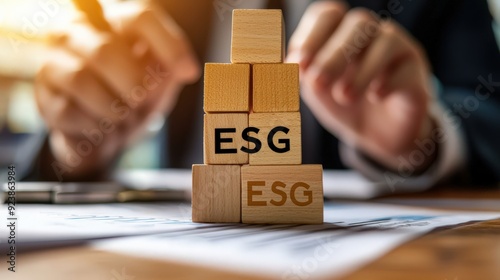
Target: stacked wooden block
x,y
252,133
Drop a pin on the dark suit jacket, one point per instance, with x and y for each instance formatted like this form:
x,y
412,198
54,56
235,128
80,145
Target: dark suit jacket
x,y
459,41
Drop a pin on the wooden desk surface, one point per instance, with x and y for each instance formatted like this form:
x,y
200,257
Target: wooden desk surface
x,y
465,252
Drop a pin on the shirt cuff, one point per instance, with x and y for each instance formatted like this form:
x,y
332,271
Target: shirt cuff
x,y
451,155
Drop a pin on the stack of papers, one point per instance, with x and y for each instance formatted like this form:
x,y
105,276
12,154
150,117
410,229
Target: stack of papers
x,y
353,234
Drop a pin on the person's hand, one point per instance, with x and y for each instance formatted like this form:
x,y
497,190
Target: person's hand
x,y
366,80
99,90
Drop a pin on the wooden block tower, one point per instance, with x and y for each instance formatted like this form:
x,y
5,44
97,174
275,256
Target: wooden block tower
x,y
253,171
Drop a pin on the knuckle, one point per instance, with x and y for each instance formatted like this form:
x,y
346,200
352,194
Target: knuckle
x,y
396,35
418,52
65,107
78,75
144,14
60,110
360,15
103,48
331,8
389,29
183,56
41,75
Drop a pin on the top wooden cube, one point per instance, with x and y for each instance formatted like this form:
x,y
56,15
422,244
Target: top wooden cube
x,y
257,37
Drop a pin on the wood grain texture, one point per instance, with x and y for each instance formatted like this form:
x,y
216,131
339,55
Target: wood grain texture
x,y
290,194
257,36
227,87
465,252
266,122
216,193
275,88
234,122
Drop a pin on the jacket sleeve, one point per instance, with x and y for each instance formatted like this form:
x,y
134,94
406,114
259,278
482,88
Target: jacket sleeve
x,y
466,60
460,43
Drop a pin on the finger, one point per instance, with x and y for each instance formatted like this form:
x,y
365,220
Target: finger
x,y
386,50
405,89
405,78
340,89
108,56
64,147
162,101
163,36
159,104
319,21
67,74
59,112
154,96
354,33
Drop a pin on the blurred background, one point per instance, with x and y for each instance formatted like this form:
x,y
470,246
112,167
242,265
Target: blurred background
x,y
24,27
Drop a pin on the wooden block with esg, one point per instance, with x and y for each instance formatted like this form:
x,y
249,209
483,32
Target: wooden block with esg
x,y
257,36
227,87
222,141
287,194
279,138
216,193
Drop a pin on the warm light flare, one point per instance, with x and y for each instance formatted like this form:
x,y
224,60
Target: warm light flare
x,y
32,20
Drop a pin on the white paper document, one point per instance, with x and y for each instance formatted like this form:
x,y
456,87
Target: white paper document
x,y
46,225
353,235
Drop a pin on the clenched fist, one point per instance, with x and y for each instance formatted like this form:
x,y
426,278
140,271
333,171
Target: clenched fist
x,y
365,79
99,89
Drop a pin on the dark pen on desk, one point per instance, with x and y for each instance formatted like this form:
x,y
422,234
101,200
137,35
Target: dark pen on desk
x,y
90,192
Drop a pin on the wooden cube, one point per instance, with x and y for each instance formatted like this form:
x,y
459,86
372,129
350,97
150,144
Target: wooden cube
x,y
284,194
275,88
227,87
222,141
280,137
216,193
257,36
